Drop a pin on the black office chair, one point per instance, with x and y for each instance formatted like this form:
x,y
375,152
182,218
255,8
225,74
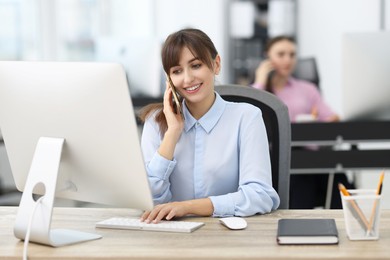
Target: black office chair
x,y
277,123
306,69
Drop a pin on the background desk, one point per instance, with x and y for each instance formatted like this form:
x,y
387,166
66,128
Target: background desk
x,y
331,159
338,134
212,241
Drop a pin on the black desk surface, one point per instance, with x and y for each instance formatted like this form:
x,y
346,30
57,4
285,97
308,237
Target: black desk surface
x,y
341,131
325,157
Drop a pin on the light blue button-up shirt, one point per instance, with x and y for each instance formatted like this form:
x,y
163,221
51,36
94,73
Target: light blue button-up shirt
x,y
223,156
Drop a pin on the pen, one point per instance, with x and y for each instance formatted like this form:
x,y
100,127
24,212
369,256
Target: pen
x,y
356,211
378,192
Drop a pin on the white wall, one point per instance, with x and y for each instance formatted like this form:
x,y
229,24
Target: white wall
x,y
134,18
321,24
387,14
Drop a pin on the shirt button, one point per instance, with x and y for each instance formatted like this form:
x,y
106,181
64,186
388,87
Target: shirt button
x,y
197,124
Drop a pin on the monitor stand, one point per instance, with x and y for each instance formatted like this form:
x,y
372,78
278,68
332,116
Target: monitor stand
x,y
44,173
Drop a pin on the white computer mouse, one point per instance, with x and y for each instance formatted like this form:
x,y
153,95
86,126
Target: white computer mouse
x,y
234,223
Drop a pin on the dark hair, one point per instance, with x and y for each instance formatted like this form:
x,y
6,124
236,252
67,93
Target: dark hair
x,y
271,42
199,44
195,40
277,39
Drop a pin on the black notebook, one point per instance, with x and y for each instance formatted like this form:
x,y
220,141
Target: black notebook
x,y
307,231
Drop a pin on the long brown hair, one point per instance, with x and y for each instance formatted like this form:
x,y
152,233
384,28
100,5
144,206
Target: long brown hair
x,y
200,46
268,46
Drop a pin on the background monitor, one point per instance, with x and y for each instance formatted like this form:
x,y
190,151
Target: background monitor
x,y
70,132
365,73
140,57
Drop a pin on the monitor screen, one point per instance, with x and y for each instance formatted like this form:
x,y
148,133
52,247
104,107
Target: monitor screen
x,y
89,106
365,74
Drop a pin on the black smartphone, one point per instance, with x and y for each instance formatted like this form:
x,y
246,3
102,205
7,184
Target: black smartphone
x,y
176,101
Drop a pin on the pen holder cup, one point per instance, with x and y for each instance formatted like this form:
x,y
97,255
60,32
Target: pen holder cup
x,y
362,214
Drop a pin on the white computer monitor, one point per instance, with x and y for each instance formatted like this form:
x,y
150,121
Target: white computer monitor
x,y
365,73
74,121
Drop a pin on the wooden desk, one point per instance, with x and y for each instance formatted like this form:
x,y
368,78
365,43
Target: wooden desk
x,y
212,241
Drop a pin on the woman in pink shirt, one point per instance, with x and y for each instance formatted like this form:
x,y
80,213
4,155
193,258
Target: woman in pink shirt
x,y
304,103
301,97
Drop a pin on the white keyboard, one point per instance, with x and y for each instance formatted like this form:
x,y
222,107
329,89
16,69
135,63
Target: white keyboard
x,y
135,223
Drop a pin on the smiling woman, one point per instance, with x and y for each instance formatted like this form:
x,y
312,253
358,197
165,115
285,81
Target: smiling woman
x,y
215,160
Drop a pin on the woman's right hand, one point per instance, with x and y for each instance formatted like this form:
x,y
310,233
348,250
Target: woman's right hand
x,y
175,127
174,121
262,72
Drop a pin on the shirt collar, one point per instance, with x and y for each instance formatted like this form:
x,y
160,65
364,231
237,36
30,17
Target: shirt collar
x,y
289,82
208,120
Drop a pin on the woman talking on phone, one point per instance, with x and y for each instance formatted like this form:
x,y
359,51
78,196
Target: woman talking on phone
x,y
304,103
213,160
302,98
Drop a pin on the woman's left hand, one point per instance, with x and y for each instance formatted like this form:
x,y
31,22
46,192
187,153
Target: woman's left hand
x,y
166,211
